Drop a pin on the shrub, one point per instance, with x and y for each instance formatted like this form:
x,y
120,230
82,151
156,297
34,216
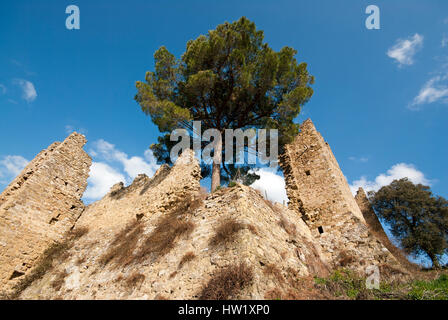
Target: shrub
x,y
273,271
123,245
289,227
59,280
169,227
134,280
271,205
226,232
232,184
345,259
227,282
162,240
274,294
186,258
252,229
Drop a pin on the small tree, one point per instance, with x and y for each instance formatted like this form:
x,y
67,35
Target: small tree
x,y
418,219
227,79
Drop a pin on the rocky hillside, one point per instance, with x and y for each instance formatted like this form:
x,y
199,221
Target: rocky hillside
x,y
163,238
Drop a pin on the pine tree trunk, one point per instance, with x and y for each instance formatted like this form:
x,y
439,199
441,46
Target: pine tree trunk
x,y
435,261
216,168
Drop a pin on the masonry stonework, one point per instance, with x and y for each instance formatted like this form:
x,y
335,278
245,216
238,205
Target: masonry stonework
x,y
319,192
40,206
262,243
322,228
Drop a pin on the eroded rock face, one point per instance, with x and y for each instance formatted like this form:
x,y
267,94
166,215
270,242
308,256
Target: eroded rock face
x,y
40,206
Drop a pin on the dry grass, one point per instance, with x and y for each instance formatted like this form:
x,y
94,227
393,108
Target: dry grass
x,y
164,237
227,283
56,252
226,232
252,229
77,233
276,294
80,260
161,297
119,278
271,205
169,228
289,227
344,259
59,280
124,244
186,258
295,287
272,271
135,280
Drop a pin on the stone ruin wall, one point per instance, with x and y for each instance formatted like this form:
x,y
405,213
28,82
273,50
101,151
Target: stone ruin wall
x,y
43,203
40,206
318,190
263,242
315,183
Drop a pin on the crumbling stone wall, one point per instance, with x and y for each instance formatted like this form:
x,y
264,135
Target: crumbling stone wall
x,y
272,240
319,192
40,206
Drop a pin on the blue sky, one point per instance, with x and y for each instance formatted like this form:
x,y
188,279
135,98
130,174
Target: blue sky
x,y
380,95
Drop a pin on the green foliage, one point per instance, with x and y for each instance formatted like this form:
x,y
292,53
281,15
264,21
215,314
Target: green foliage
x,y
417,217
346,284
342,283
231,184
430,290
227,79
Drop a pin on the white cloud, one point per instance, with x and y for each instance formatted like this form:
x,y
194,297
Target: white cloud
x,y
435,89
444,41
404,49
101,178
13,164
10,167
2,89
398,171
29,93
271,184
359,159
131,165
69,129
113,166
